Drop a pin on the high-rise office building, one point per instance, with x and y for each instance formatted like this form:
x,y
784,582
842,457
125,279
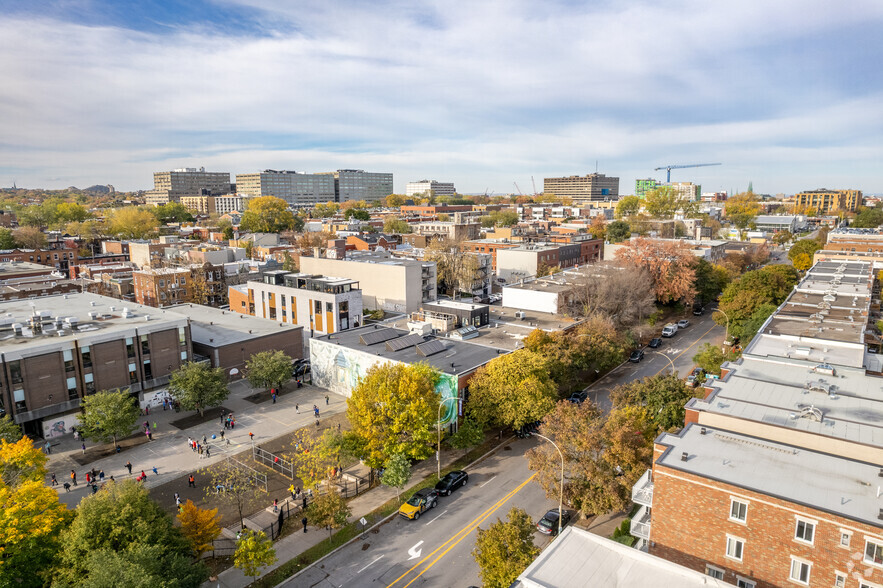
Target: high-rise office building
x,y
170,186
588,188
295,188
357,184
425,186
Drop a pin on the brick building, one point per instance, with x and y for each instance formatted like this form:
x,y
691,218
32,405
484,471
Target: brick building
x,y
61,259
203,284
490,246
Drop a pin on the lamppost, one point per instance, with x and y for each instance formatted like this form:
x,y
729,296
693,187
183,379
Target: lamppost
x,y
438,426
561,491
727,335
668,359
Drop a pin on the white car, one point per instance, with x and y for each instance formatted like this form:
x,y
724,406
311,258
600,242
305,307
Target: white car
x,y
683,324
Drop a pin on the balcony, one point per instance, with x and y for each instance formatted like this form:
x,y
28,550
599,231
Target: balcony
x,y
641,524
642,491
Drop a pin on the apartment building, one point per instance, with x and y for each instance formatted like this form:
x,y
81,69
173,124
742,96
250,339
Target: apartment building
x,y
357,184
774,480
397,285
526,260
293,187
686,190
199,283
426,187
170,186
489,246
645,185
825,201
61,259
372,241
583,189
452,230
200,204
321,304
146,254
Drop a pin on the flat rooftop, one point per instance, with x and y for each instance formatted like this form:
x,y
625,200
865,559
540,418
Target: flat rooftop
x,y
455,304
825,482
458,357
215,327
579,559
82,317
13,269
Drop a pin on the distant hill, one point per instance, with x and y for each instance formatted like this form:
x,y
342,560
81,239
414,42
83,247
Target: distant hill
x,y
98,189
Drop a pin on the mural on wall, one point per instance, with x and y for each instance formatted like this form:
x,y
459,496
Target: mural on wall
x,y
60,425
339,369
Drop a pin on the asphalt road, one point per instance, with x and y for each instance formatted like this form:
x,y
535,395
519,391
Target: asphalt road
x,y
676,352
436,550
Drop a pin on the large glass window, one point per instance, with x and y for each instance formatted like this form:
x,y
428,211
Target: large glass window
x,y
804,531
182,336
130,347
86,353
800,571
145,345
18,396
15,371
874,553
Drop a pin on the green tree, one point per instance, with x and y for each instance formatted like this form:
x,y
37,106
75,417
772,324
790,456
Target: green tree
x,y
500,218
393,224
710,358
31,517
254,551
512,390
266,214
234,485
9,429
455,269
663,396
742,298
395,200
29,237
396,472
867,218
618,231
268,369
141,566
172,212
288,264
801,253
328,510
228,232
200,526
314,458
469,434
122,518
7,241
505,549
108,416
197,386
782,238
663,202
358,214
326,210
627,206
131,222
393,409
710,280
742,209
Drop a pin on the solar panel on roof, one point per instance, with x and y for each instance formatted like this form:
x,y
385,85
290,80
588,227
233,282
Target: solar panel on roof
x,y
430,348
404,342
378,336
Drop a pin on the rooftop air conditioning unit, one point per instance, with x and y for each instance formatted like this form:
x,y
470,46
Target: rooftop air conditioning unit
x,y
519,314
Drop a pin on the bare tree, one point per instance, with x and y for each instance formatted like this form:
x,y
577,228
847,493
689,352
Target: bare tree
x,y
623,293
455,268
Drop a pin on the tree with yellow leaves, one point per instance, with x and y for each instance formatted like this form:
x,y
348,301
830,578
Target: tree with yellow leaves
x,y
131,222
200,526
314,458
253,552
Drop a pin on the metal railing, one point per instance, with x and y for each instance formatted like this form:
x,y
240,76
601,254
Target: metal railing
x,y
642,491
275,462
641,523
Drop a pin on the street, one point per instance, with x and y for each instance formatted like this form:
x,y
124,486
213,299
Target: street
x,y
436,550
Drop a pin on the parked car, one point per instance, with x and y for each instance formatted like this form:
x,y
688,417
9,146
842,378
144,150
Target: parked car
x,y
692,381
683,324
698,310
451,482
579,397
669,330
548,525
422,501
655,342
636,356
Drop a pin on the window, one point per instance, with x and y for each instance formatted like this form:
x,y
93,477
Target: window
x,y
874,553
845,538
18,396
800,571
15,371
162,283
317,306
734,547
738,510
148,370
716,573
71,388
745,583
86,353
805,531
182,336
839,580
867,585
130,348
133,373
145,345
183,356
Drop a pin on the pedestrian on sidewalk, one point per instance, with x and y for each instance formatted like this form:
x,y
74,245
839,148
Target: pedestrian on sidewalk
x,y
101,475
190,442
275,505
154,425
232,423
273,395
317,423
129,467
204,439
222,435
54,481
290,489
191,483
155,472
251,435
67,487
208,451
304,521
74,477
84,449
304,502
326,400
48,448
297,408
88,478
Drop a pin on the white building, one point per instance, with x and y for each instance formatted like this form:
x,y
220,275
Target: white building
x,y
425,186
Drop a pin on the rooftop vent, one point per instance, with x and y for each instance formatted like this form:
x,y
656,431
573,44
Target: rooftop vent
x,y
702,431
685,456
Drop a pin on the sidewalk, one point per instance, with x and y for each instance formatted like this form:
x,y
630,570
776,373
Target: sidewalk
x,y
293,545
169,451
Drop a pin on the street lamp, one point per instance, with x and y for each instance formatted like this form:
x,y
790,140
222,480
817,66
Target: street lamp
x,y
561,490
438,426
668,359
727,334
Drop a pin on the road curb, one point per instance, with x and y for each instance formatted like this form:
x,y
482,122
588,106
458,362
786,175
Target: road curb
x,y
388,518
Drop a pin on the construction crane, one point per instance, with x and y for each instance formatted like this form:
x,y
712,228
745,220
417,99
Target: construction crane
x,y
520,193
668,169
534,186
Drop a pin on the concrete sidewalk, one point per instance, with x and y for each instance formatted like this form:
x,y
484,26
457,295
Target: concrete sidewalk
x,y
169,451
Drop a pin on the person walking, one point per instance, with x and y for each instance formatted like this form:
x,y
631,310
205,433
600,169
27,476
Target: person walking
x,y
190,442
129,467
273,395
304,521
275,505
191,482
155,472
222,435
251,435
54,481
143,476
208,451
84,449
204,439
67,487
297,408
88,478
304,502
48,448
73,477
326,400
101,475
290,489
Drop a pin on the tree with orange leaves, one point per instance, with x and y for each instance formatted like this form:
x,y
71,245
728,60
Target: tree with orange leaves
x,y
671,266
200,526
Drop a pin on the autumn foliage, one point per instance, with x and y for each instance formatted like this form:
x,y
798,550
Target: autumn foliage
x,y
671,266
200,526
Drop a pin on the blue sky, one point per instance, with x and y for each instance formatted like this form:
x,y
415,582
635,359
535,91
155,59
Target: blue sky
x,y
785,94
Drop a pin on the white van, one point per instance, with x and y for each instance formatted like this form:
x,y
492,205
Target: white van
x,y
669,330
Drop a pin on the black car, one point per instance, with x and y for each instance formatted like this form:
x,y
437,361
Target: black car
x,y
698,310
579,397
655,342
451,482
636,356
548,525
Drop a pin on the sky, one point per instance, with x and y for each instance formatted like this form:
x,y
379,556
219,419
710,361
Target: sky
x,y
787,95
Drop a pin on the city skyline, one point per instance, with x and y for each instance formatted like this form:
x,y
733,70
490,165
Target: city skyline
x,y
785,96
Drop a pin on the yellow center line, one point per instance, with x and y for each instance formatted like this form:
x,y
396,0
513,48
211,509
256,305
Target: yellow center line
x,y
688,348
462,533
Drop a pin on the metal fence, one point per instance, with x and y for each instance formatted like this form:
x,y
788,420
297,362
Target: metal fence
x,y
259,478
275,462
